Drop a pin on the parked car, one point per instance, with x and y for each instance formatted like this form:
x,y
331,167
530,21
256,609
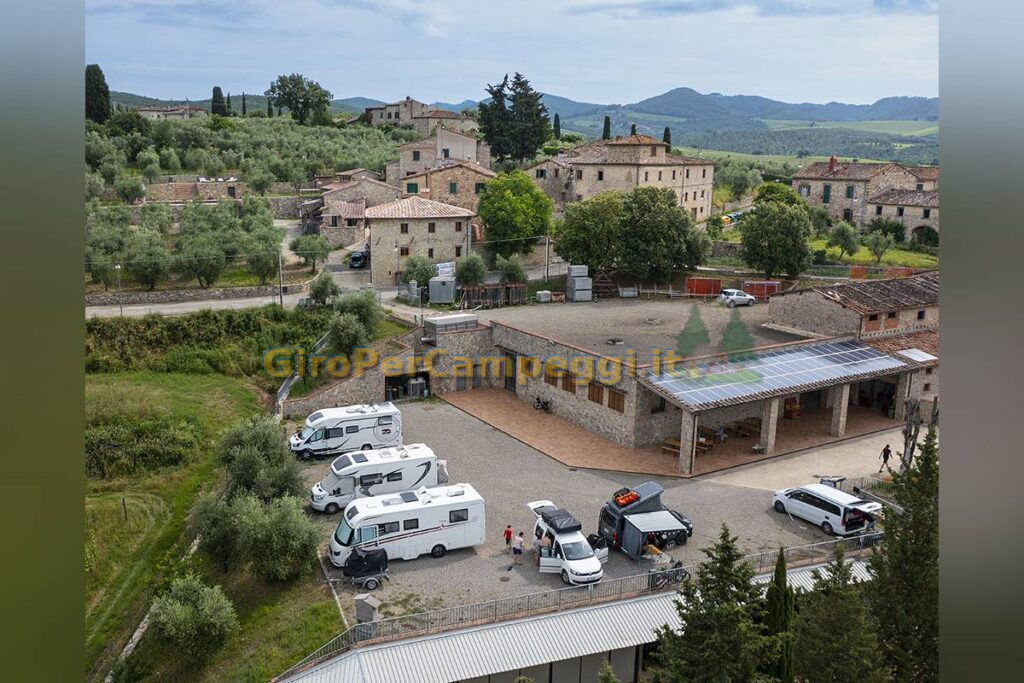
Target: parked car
x,y
836,512
568,551
736,297
359,259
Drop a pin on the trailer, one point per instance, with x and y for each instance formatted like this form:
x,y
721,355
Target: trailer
x,y
636,518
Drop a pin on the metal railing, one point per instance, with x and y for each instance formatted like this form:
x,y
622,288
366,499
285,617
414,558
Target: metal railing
x,y
286,386
531,604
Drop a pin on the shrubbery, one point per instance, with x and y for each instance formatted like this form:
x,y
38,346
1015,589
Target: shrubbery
x,y
117,446
196,617
510,270
259,461
471,270
362,306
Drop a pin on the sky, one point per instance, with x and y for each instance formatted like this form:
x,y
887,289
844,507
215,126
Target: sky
x,y
601,51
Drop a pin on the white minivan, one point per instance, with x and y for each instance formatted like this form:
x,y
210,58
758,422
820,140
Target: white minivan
x,y
567,552
332,431
836,512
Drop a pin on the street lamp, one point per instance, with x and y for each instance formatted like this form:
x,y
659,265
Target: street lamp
x,y
120,297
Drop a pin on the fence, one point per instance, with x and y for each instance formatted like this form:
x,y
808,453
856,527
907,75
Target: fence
x,y
286,386
519,606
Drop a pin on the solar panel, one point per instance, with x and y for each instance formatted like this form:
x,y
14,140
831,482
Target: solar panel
x,y
745,375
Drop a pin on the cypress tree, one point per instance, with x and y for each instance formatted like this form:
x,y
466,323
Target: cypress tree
x,y
606,132
97,94
558,128
278,110
270,109
667,136
228,102
531,127
632,129
217,105
780,600
244,111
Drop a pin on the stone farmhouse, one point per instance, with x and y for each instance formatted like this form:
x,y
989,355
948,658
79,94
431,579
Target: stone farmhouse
x,y
442,144
847,189
343,205
917,209
452,182
623,164
428,121
398,113
927,177
414,225
181,112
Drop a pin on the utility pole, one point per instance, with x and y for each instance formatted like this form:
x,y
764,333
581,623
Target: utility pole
x,y
280,279
547,256
120,295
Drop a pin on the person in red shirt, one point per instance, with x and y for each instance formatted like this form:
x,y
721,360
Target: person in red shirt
x,y
508,537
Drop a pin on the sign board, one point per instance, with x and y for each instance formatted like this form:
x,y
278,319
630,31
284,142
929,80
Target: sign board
x,y
446,268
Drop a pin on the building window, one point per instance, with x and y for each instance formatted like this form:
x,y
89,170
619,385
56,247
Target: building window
x,y
551,377
412,188
702,194
826,194
849,191
579,174
927,386
891,315
415,155
430,253
404,228
389,115
920,186
431,227
646,175
928,371
595,392
654,151
659,405
704,173
848,215
403,251
702,209
453,188
804,190
569,383
659,175
927,213
478,188
616,401
673,175
873,317
579,198
878,210
444,152
687,173
686,196
540,173
556,172
899,210
334,221
458,252
600,175
920,315
458,226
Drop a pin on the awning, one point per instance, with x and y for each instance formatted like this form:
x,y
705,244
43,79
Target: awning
x,y
662,520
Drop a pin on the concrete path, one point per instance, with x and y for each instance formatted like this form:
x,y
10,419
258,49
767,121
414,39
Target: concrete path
x,y
856,457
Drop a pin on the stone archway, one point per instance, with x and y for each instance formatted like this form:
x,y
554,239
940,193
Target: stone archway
x,y
925,234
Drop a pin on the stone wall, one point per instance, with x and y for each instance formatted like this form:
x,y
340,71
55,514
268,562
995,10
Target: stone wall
x,y
857,206
726,249
285,207
653,426
902,322
809,311
553,182
167,296
373,192
439,185
913,216
446,243
343,235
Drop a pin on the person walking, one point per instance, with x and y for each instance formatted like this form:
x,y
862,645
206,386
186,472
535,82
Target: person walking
x,y
517,549
507,535
885,455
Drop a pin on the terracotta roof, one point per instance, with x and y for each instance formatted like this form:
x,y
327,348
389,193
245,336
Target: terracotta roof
x,y
926,198
445,164
417,207
330,187
925,172
926,340
439,114
843,170
353,170
637,139
879,296
350,209
422,143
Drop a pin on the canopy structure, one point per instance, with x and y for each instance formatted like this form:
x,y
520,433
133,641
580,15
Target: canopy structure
x,y
752,376
662,520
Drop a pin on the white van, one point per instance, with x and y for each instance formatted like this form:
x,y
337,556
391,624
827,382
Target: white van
x,y
568,552
835,511
331,431
374,473
411,523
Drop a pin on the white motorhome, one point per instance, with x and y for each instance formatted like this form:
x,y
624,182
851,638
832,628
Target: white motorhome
x,y
332,431
411,523
375,473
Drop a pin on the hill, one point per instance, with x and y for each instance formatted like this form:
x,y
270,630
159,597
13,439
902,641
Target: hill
x,y
253,102
357,104
887,108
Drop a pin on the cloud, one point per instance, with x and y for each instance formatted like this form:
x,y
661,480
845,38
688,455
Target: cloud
x,y
765,8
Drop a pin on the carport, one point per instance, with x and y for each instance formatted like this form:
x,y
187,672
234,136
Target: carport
x,y
739,408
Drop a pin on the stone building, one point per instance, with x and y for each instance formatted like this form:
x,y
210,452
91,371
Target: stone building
x,y
428,121
181,112
916,209
927,177
623,164
341,216
443,144
458,183
845,188
414,225
398,113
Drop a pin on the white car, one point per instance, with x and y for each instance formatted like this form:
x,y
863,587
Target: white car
x,y
736,297
836,512
568,552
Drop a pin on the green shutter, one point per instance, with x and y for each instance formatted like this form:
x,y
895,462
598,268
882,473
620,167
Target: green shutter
x,y
849,191
478,188
826,194
453,188
412,188
415,156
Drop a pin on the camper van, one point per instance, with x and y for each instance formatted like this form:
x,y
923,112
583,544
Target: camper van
x,y
411,523
375,473
836,512
332,431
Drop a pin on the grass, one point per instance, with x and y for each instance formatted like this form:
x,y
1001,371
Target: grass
x,y
893,257
792,159
126,557
235,275
904,127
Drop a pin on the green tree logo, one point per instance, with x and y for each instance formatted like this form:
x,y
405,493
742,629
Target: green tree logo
x,y
693,334
736,339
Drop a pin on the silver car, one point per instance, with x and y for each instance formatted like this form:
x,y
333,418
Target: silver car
x,y
736,297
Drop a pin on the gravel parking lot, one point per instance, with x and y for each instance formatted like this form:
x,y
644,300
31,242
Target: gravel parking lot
x,y
508,474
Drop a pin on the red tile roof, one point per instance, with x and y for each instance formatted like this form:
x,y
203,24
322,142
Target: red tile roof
x,y
450,163
637,139
927,341
925,172
926,198
417,207
843,171
880,296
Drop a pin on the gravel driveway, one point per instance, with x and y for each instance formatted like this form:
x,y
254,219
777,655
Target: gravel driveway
x,y
508,474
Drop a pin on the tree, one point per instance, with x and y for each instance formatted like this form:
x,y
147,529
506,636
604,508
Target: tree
x,y
736,338
658,236
169,160
124,123
94,185
197,618
632,129
270,108
220,522
283,541
263,253
721,637
510,270
323,289
363,306
419,268
514,212
300,95
889,226
129,188
844,236
146,257
244,110
591,232
470,270
217,104
97,94
607,674
104,249
774,239
311,248
693,334
202,256
530,124
345,333
821,220
666,137
606,130
256,215
495,120
878,243
557,127
904,590
779,193
835,639
779,608
259,180
258,460
714,226
227,101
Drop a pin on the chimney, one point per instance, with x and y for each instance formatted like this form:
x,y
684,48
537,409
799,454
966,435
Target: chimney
x,y
832,163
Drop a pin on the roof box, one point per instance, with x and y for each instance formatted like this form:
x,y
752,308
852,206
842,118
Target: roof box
x,y
560,521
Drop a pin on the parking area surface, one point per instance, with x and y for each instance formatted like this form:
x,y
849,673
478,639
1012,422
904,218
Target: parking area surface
x,y
509,473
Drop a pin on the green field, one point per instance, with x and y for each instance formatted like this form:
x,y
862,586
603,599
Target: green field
x,y
792,159
901,258
915,128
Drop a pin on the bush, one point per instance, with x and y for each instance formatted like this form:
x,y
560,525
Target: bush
x,y
887,226
259,461
117,446
129,189
820,257
418,268
363,306
197,618
345,333
510,270
282,542
715,227
323,289
471,270
311,249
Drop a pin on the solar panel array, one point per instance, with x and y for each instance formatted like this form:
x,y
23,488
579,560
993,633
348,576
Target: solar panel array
x,y
750,375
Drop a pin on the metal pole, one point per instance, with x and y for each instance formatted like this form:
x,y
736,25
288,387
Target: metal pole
x,y
120,294
547,256
280,279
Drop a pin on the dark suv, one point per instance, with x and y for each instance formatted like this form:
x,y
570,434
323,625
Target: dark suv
x,y
359,259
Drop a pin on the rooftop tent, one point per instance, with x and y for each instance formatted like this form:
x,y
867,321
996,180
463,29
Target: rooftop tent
x,y
753,376
661,520
560,521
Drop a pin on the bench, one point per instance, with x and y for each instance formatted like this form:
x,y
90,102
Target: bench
x,y
671,446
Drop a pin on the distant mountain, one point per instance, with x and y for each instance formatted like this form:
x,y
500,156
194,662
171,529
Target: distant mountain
x,y
885,109
457,107
355,103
